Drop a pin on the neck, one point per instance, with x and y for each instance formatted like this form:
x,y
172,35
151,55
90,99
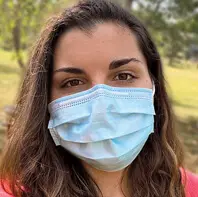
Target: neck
x,y
110,183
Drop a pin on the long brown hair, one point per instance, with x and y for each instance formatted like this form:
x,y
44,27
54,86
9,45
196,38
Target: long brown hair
x,y
31,158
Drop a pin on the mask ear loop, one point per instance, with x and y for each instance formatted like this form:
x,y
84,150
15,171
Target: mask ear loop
x,y
153,89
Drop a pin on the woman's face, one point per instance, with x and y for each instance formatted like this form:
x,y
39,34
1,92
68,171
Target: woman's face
x,y
108,54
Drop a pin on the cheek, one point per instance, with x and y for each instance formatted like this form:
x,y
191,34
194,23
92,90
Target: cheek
x,y
54,93
148,83
145,80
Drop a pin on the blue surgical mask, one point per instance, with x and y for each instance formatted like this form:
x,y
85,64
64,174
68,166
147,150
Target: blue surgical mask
x,y
104,126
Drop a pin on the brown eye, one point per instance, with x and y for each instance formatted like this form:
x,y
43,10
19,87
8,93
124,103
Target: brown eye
x,y
124,76
71,83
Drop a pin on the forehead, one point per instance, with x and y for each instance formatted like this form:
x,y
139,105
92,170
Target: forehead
x,y
104,42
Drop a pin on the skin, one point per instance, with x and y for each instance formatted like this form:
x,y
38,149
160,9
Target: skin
x,y
93,53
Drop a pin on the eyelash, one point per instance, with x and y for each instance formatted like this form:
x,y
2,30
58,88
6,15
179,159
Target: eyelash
x,y
65,84
132,77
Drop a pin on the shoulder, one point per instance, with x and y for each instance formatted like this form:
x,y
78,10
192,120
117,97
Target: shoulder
x,y
3,193
190,182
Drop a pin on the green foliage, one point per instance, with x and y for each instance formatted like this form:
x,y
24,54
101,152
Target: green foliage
x,y
172,24
21,21
29,13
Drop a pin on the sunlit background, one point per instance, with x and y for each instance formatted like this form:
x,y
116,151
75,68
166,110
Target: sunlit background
x,y
173,25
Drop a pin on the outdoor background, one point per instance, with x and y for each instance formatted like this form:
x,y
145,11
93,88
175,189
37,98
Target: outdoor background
x,y
173,25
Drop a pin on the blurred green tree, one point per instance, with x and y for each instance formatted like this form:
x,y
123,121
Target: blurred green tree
x,y
21,21
127,4
172,23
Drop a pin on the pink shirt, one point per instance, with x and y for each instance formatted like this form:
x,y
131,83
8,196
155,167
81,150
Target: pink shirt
x,y
191,185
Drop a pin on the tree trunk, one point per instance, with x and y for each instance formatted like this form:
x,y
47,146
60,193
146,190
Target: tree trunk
x,y
17,44
16,36
128,4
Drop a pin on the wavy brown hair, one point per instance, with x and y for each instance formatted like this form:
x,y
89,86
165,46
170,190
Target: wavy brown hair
x,y
31,158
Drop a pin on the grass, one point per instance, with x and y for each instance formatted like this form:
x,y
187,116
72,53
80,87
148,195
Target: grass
x,y
183,89
9,80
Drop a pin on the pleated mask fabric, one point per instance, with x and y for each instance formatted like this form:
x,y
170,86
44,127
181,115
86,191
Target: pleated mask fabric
x,y
104,126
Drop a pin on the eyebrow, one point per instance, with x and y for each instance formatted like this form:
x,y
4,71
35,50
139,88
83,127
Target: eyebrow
x,y
117,63
70,70
113,65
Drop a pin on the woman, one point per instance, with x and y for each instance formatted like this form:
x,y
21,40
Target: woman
x,y
93,117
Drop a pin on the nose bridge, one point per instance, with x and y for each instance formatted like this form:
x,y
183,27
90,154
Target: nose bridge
x,y
97,77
